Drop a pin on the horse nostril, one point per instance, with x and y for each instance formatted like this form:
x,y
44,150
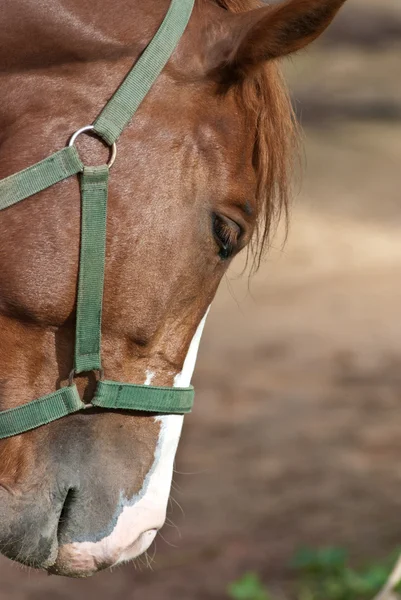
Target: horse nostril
x,y
67,508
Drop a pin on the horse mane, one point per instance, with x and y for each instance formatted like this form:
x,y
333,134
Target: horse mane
x,y
277,140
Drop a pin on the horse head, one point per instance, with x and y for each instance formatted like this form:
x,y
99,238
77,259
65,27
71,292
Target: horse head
x,y
201,172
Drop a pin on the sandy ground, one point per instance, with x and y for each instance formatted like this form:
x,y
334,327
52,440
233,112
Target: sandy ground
x,y
295,438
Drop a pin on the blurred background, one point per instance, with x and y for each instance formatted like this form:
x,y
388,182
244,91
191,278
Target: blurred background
x,y
295,439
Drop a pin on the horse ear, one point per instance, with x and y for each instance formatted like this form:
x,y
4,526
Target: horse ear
x,y
263,34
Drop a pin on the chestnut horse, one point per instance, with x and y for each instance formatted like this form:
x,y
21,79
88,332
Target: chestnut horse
x,y
202,170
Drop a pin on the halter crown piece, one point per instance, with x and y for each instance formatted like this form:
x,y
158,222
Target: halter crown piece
x,y
94,187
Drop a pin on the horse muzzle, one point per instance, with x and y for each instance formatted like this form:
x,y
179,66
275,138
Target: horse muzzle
x,y
91,504
34,536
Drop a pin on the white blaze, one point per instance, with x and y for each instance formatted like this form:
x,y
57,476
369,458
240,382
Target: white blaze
x,y
183,379
138,522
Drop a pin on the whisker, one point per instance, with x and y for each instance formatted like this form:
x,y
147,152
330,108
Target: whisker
x,y
169,523
154,552
178,504
176,488
202,472
149,560
167,542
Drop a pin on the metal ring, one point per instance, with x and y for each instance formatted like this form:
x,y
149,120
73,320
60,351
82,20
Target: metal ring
x,y
73,374
71,377
113,147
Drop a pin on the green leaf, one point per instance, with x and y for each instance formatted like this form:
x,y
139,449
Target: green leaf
x,y
323,560
375,578
249,587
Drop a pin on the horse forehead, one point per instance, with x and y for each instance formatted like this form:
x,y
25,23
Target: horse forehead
x,y
224,129
209,123
218,115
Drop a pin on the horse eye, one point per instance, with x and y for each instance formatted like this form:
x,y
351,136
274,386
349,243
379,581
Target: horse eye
x,y
226,233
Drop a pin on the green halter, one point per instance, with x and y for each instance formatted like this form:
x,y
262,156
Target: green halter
x,y
94,186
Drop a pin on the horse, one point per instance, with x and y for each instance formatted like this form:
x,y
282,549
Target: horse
x,y
203,170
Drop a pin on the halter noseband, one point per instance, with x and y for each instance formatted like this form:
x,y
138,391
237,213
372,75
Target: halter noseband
x,y
94,188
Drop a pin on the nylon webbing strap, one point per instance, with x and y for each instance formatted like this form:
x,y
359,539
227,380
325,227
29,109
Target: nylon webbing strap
x,y
40,412
110,394
94,182
123,105
40,176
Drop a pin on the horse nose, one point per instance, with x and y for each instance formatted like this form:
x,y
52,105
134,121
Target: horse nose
x,y
80,538
100,528
98,498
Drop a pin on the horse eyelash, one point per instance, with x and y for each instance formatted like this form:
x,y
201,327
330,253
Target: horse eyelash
x,y
226,237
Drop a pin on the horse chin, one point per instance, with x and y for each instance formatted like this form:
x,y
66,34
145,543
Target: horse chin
x,y
79,561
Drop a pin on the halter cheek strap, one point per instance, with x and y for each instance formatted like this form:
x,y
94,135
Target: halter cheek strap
x,y
94,188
